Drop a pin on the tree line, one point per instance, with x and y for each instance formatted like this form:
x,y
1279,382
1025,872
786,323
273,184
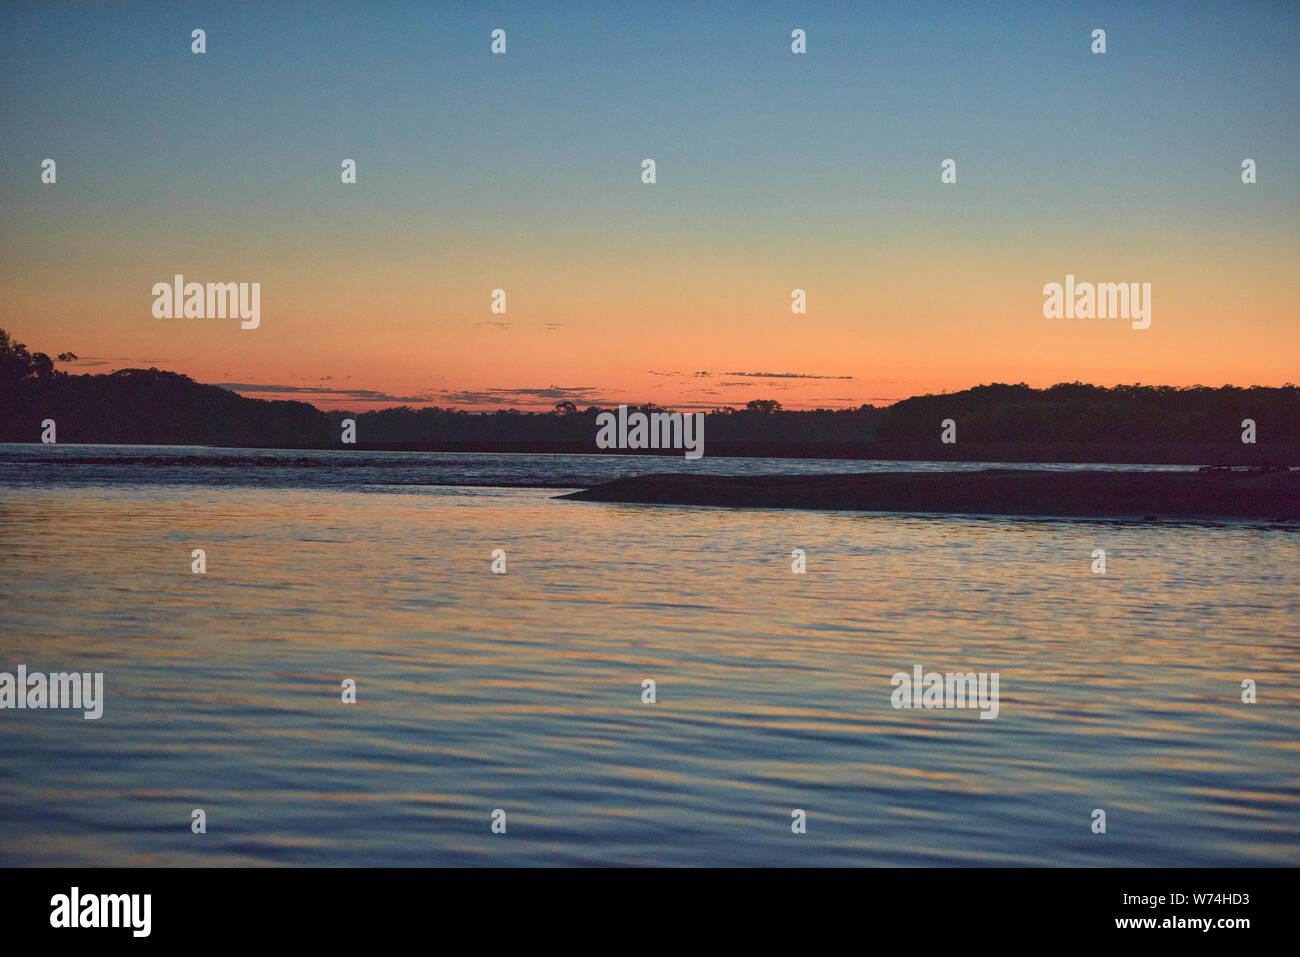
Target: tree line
x,y
1068,422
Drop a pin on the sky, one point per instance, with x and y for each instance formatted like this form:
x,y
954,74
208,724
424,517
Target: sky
x,y
774,171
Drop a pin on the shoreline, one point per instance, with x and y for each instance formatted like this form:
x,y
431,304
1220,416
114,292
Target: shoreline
x,y
1126,453
1267,496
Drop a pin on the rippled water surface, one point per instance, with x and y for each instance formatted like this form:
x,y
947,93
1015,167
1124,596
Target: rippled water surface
x,y
28,464
523,691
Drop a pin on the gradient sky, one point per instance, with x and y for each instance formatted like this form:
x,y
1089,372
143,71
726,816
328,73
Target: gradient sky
x,y
775,171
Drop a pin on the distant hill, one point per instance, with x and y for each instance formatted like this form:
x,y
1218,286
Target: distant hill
x,y
1010,423
1074,422
145,406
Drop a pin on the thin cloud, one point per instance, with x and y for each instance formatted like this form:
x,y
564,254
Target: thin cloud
x,y
576,394
127,361
787,375
356,395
